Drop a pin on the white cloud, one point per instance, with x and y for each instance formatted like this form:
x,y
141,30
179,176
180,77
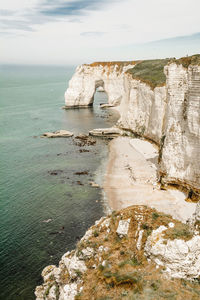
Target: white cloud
x,y
91,34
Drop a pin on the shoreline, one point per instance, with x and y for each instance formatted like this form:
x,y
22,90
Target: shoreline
x,y
131,179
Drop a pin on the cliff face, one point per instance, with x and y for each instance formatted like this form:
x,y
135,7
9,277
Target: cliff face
x,y
167,113
88,78
181,150
142,108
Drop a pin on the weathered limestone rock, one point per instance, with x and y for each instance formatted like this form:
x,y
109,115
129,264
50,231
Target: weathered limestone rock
x,y
169,115
181,258
88,78
106,132
86,253
100,89
142,109
139,241
48,272
70,291
102,257
58,133
123,226
74,265
106,105
181,149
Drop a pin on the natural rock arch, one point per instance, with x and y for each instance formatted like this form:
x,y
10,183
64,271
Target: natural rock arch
x,y
87,79
97,84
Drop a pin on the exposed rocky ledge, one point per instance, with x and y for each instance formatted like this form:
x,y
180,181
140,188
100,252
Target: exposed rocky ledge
x,y
58,133
158,100
132,253
106,132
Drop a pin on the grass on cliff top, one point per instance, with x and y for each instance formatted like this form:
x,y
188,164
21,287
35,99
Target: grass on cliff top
x,y
188,60
150,72
124,271
111,63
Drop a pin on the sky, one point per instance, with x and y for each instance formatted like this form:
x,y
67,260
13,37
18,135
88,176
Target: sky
x,y
64,32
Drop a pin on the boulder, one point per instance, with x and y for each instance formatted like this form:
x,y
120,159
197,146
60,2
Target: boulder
x,y
123,226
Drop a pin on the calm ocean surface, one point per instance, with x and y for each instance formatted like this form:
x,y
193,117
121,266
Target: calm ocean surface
x,y
30,104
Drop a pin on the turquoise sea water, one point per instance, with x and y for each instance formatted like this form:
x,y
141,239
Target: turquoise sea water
x,y
30,104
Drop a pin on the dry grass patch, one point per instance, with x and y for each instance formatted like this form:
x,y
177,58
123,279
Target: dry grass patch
x,y
188,60
123,272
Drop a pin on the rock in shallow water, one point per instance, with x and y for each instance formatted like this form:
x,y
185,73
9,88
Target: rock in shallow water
x,y
58,133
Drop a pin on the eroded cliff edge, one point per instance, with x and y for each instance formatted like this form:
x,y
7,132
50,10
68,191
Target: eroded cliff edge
x,y
130,254
156,99
138,252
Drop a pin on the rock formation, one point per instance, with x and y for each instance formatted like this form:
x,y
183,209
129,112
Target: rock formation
x,y
128,253
58,133
158,100
134,253
88,78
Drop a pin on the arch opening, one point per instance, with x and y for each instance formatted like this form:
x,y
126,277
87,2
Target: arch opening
x,y
100,96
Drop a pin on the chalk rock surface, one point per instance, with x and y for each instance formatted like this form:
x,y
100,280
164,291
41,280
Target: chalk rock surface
x,y
106,132
88,78
101,257
180,257
168,114
58,133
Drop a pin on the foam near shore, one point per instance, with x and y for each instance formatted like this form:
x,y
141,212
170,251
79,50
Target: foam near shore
x,y
131,179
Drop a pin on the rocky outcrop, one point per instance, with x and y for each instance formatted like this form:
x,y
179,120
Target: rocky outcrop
x,y
130,252
58,133
88,78
165,111
106,132
180,257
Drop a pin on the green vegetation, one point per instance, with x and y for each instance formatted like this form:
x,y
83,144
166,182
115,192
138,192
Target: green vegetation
x,y
57,291
155,215
150,72
180,231
78,273
101,267
147,228
133,262
48,289
95,233
188,60
122,278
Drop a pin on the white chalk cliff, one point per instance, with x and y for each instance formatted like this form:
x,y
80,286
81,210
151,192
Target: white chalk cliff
x,y
125,253
88,78
168,114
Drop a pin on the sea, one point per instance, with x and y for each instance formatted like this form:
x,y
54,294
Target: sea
x,y
45,206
